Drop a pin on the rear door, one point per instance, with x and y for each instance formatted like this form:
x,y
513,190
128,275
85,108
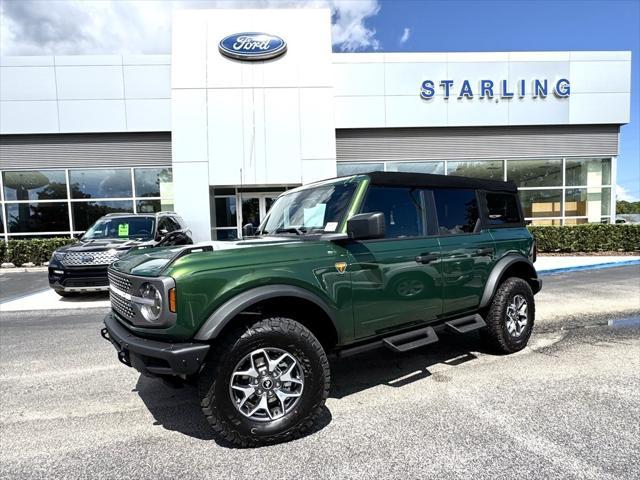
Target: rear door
x,y
468,251
396,281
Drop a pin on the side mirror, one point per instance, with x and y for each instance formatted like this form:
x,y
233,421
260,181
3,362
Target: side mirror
x,y
366,226
248,230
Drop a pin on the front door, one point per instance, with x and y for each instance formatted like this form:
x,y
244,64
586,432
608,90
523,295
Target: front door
x,y
254,207
468,252
396,281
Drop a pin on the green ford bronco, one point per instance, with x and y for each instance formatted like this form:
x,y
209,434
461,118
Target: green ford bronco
x,y
382,260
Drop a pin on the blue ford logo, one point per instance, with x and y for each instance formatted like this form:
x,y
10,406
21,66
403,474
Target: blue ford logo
x,y
87,258
252,46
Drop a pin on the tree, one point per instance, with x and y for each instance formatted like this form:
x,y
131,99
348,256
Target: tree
x,y
623,207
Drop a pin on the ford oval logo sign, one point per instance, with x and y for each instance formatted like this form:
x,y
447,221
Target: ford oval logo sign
x,y
252,46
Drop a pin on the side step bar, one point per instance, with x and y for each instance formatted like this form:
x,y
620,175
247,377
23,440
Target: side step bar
x,y
466,324
403,342
410,340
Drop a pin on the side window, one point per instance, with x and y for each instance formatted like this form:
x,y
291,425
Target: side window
x,y
166,223
175,225
403,210
502,208
457,210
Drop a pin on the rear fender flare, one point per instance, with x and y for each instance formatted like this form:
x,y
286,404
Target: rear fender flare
x,y
497,273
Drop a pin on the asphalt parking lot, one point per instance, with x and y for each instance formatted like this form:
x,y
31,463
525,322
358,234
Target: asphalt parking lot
x,y
566,407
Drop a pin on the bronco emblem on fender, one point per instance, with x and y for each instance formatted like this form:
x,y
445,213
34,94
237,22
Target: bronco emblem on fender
x,y
341,267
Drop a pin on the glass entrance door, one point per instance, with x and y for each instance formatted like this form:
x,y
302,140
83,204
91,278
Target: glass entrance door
x,y
254,208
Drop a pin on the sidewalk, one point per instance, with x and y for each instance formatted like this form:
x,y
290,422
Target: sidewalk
x,y
558,264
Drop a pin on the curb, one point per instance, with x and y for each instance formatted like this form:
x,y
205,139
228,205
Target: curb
x,y
23,269
595,266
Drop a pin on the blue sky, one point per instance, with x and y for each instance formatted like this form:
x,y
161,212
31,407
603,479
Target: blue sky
x,y
524,25
67,27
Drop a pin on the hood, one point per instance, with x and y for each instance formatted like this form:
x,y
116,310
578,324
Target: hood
x,y
101,245
151,262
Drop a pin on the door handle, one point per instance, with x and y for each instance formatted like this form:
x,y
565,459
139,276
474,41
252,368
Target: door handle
x,y
427,258
484,251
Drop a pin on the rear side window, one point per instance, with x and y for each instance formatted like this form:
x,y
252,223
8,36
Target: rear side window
x,y
457,210
403,208
502,208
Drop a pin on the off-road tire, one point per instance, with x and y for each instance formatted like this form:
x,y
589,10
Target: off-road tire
x,y
495,333
227,422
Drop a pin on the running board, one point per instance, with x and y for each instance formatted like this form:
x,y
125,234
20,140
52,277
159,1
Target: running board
x,y
410,340
466,324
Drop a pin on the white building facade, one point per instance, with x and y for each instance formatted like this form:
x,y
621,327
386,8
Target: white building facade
x,y
218,138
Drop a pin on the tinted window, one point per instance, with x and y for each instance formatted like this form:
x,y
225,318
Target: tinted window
x,y
85,213
37,217
502,208
457,210
168,224
153,182
403,210
100,183
121,227
35,185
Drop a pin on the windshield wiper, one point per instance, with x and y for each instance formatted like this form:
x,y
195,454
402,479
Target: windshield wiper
x,y
299,231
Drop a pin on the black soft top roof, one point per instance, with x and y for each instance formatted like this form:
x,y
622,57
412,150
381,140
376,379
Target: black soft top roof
x,y
427,180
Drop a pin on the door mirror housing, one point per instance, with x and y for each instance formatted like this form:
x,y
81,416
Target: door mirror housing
x,y
248,230
366,226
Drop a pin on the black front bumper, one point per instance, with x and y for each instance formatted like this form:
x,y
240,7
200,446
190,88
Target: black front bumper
x,y
79,279
152,357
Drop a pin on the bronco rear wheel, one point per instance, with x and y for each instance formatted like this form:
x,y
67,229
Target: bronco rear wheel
x,y
265,383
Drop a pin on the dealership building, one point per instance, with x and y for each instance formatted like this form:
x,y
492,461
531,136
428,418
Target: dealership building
x,y
216,137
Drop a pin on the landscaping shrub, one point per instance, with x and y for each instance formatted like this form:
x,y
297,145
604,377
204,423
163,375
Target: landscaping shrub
x,y
35,250
587,238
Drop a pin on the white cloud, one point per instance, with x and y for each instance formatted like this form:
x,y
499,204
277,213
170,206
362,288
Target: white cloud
x,y
59,27
405,35
624,194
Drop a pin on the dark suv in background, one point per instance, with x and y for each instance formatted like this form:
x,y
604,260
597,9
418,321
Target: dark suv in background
x,y
82,267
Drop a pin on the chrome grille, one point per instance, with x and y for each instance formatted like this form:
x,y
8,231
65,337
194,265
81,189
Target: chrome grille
x,y
105,257
119,281
121,305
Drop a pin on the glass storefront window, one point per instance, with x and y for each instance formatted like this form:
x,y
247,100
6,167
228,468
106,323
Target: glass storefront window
x,y
86,213
225,212
546,221
352,168
100,183
37,217
35,185
575,221
587,202
541,203
491,170
416,167
153,182
226,234
153,206
588,171
535,173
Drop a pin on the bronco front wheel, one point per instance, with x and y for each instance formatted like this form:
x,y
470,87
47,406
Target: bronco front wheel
x,y
265,383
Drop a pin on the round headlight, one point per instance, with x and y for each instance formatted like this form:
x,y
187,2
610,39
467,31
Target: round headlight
x,y
151,312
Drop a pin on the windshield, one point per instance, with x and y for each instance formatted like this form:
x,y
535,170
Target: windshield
x,y
317,209
121,227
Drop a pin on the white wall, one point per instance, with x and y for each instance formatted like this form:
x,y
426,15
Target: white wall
x,y
383,89
85,93
251,123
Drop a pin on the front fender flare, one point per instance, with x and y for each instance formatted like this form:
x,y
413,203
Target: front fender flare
x,y
228,310
498,270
